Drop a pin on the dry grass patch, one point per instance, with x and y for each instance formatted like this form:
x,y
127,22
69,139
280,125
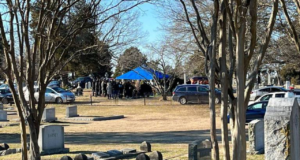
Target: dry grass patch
x,y
167,125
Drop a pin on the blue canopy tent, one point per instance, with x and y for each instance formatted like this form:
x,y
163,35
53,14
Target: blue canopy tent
x,y
141,73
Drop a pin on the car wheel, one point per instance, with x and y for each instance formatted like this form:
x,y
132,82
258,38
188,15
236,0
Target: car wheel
x,y
4,101
59,100
182,100
217,100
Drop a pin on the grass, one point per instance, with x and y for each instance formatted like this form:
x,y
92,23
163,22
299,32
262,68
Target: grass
x,y
167,125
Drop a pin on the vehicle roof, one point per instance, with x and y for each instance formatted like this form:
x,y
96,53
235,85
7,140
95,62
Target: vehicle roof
x,y
191,85
269,87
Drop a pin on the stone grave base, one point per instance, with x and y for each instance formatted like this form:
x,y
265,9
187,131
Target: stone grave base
x,y
55,151
10,151
9,124
49,120
83,118
11,113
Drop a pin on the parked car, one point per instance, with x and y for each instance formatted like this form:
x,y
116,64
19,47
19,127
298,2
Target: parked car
x,y
194,93
254,111
267,96
6,96
259,92
57,95
81,81
199,80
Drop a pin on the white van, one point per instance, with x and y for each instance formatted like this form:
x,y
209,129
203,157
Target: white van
x,y
267,96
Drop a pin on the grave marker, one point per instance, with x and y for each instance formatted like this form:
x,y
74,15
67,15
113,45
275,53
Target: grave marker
x,y
145,146
200,150
71,111
3,115
282,132
256,136
49,115
51,139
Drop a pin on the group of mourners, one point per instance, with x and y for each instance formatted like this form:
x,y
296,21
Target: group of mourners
x,y
116,89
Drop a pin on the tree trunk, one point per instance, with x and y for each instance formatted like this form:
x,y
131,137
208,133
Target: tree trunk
x,y
239,127
164,95
34,147
224,82
23,136
212,54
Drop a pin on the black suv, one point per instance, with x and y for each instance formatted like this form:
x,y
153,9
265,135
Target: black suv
x,y
194,93
81,81
6,96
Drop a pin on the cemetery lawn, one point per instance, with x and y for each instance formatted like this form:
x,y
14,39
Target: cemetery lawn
x,y
167,125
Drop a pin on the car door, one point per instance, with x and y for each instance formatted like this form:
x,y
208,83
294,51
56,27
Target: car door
x,y
203,93
255,111
192,94
49,95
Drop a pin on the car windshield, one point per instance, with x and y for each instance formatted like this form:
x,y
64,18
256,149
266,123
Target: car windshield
x,y
59,90
80,78
53,82
4,91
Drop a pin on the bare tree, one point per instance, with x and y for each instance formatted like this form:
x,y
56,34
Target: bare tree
x,y
42,51
246,52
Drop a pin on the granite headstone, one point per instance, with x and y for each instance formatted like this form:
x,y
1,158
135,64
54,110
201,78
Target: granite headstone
x,y
256,136
71,111
155,156
142,157
51,139
199,149
145,146
282,131
49,115
3,115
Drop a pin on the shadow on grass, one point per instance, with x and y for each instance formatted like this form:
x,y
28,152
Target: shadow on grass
x,y
172,137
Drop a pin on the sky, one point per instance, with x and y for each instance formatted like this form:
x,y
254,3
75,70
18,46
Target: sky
x,y
150,23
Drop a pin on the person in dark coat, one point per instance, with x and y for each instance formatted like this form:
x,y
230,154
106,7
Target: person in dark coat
x,y
93,87
99,87
104,88
96,87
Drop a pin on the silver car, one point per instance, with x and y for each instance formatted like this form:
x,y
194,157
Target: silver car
x,y
57,95
259,92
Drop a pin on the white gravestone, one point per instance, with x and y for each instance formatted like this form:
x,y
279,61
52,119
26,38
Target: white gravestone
x,y
89,85
282,131
71,111
49,115
1,106
51,139
256,136
287,85
3,115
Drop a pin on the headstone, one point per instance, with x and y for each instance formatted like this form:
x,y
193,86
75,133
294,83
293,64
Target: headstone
x,y
142,157
3,115
114,153
71,111
66,158
51,139
128,150
81,156
200,150
155,156
1,106
145,146
4,146
99,155
287,84
282,130
89,85
49,115
256,136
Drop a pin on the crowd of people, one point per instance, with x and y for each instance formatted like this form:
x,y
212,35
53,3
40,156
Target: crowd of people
x,y
116,89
